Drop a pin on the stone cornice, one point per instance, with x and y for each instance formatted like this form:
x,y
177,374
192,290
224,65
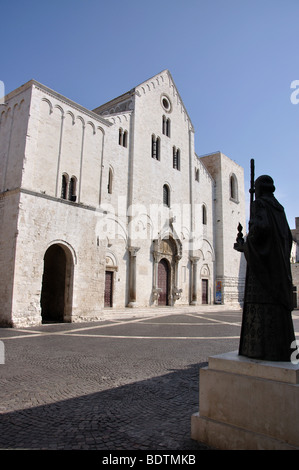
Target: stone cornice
x,y
49,198
58,96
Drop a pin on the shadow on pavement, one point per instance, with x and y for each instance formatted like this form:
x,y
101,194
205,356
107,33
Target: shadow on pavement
x,y
152,414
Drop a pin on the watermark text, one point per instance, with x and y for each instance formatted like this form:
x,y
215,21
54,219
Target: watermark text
x,y
295,94
295,353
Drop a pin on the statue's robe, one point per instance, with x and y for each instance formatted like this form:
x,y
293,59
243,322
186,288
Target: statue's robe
x,y
267,327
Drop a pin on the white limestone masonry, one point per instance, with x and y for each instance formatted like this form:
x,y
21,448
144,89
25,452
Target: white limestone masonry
x,y
121,191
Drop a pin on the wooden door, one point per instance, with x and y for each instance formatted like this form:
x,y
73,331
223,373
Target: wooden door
x,y
108,288
204,285
163,282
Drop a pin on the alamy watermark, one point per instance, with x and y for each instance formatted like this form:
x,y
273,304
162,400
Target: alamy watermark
x,y
295,353
149,222
295,94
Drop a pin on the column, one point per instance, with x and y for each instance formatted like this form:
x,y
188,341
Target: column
x,y
156,290
176,291
194,261
132,276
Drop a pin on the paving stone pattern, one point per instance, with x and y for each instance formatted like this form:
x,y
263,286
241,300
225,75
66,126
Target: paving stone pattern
x,y
118,384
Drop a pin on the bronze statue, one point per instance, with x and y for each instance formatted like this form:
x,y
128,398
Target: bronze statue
x,y
267,327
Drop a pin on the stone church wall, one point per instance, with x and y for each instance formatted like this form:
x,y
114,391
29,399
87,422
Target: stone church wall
x,y
44,222
89,186
9,203
229,212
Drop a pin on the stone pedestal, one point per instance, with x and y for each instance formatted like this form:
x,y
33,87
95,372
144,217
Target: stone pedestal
x,y
247,404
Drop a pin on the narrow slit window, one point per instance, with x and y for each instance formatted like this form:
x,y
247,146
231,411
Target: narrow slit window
x,y
158,148
73,189
155,147
122,137
64,186
165,126
168,127
204,215
166,195
125,139
176,158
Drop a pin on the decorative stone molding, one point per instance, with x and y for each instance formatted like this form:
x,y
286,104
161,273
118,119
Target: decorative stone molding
x,y
169,248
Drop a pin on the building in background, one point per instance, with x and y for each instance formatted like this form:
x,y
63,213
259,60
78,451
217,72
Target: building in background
x,y
112,208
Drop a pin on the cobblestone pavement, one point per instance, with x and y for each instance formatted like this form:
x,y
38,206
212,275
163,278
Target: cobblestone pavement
x,y
127,382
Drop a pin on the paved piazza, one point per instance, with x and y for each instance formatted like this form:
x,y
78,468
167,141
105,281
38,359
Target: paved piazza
x,y
128,382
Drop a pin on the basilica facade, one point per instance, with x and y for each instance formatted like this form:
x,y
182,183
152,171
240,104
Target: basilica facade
x,y
112,208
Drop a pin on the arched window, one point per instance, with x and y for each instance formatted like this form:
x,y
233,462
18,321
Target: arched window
x,y
122,137
165,126
204,215
125,139
166,195
233,187
176,158
73,189
64,186
155,147
110,181
168,127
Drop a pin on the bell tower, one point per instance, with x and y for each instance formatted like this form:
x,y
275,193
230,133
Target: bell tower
x,y
229,212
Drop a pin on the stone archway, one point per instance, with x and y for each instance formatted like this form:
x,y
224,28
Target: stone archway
x,y
56,293
166,253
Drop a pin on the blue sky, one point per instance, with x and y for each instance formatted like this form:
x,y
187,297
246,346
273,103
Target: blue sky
x,y
233,62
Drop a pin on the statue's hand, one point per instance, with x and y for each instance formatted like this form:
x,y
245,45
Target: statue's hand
x,y
240,240
239,247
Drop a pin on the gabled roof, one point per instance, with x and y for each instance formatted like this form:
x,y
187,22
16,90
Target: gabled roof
x,y
120,104
125,102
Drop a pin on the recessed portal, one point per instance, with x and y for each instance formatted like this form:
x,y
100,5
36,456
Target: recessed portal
x,y
54,285
163,282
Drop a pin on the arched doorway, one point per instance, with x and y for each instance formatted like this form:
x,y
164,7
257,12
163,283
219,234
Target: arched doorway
x,y
163,282
56,284
167,253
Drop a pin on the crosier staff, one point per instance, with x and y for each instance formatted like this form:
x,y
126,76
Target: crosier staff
x,y
240,239
251,190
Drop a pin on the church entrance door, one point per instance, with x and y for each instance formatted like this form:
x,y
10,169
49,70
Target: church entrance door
x,y
204,291
163,282
108,289
53,285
